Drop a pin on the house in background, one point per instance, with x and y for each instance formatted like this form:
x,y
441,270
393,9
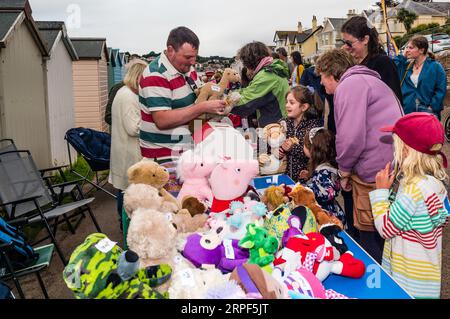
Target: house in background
x,y
330,35
60,100
304,41
24,116
427,12
90,74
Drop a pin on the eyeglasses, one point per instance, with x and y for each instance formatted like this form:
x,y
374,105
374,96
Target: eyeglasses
x,y
191,83
349,43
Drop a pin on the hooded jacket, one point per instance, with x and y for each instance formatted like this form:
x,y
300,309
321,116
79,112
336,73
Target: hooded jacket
x,y
430,92
362,105
266,94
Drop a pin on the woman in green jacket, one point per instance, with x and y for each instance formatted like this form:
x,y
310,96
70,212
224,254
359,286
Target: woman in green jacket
x,y
266,93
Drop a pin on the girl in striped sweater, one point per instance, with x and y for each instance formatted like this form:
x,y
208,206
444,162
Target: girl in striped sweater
x,y
412,223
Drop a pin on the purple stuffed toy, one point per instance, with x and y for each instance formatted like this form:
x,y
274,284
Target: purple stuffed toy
x,y
295,229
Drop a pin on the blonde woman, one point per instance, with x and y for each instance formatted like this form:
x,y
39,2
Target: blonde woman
x,y
412,222
126,118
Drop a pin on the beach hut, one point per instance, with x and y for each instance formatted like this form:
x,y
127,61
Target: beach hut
x,y
111,64
60,100
90,78
23,108
124,61
117,68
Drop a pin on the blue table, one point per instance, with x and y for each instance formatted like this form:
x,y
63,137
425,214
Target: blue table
x,y
375,284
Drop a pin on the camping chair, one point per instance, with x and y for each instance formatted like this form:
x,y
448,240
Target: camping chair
x,y
9,272
23,192
94,147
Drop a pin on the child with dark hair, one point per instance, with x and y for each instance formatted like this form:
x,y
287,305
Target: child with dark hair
x,y
320,148
302,115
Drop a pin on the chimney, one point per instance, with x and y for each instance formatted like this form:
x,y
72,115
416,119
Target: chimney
x,y
351,13
299,27
314,23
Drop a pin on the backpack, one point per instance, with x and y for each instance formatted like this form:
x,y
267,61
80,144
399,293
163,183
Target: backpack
x,y
21,254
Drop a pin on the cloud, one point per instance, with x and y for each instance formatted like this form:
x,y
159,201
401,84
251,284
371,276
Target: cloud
x,y
223,26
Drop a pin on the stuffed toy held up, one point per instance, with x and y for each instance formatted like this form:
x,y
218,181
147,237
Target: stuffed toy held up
x,y
99,269
149,172
274,134
211,91
304,196
262,246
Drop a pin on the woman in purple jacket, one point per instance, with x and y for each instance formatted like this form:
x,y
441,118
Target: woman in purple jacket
x,y
362,103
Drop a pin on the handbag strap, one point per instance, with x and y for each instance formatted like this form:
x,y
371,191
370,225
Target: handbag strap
x,y
406,72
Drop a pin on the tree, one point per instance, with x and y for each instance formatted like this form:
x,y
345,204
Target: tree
x,y
407,18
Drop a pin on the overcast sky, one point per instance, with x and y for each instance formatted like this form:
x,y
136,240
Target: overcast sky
x,y
223,26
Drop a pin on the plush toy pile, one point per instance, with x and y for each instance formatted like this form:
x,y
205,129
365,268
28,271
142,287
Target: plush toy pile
x,y
218,239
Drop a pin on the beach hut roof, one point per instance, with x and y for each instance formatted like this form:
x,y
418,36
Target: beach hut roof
x,y
90,48
50,31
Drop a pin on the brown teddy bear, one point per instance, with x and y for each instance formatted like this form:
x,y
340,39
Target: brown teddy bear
x,y
151,173
211,91
274,196
304,196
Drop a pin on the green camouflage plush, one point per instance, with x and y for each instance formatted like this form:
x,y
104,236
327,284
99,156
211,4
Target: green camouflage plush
x,y
90,273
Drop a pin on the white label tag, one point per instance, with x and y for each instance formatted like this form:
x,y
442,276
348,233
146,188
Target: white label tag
x,y
105,245
229,251
215,88
275,179
187,278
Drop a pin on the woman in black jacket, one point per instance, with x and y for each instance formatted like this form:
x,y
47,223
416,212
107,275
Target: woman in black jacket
x,y
362,41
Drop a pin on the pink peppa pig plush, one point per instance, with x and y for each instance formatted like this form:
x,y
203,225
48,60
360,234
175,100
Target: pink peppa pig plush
x,y
194,172
229,181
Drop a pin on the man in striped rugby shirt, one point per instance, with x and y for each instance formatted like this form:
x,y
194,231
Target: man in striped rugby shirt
x,y
166,95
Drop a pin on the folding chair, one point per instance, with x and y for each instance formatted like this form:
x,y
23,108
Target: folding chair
x,y
23,192
94,147
9,272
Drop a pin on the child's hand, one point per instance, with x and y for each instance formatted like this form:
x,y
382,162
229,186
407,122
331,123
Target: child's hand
x,y
287,145
384,179
281,153
304,174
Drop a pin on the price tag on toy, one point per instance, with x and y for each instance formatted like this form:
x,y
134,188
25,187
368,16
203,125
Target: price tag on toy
x,y
229,251
105,245
215,88
187,278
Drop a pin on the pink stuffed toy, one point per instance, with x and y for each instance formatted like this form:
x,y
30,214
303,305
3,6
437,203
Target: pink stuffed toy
x,y
194,172
328,259
229,181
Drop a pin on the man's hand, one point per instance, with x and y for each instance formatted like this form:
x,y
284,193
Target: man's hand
x,y
384,179
213,107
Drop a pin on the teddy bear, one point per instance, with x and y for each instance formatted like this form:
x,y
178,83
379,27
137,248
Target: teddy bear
x,y
274,196
146,196
211,91
274,134
193,283
100,269
304,196
151,173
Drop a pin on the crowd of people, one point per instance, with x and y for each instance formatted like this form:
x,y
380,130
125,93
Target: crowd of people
x,y
392,180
